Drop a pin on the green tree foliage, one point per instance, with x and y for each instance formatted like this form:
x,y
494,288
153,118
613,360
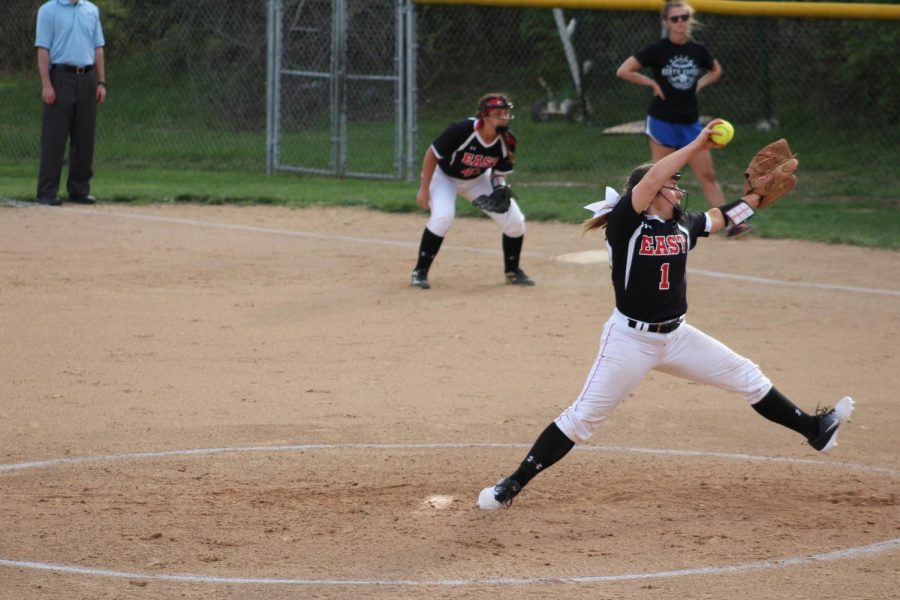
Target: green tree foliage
x,y
871,71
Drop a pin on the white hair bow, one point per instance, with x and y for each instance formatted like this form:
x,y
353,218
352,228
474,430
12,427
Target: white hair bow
x,y
605,206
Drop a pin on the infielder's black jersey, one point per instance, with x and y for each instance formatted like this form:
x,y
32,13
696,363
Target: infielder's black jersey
x,y
462,154
676,68
648,257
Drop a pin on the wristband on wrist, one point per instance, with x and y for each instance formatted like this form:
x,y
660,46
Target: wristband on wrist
x,y
103,83
736,212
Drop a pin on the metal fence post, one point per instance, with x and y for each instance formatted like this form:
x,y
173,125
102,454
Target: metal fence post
x,y
411,90
400,70
273,26
336,83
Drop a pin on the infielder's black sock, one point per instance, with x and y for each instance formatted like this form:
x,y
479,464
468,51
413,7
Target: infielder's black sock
x,y
512,248
550,446
779,409
428,249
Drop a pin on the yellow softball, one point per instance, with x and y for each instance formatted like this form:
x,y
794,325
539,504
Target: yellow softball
x,y
722,133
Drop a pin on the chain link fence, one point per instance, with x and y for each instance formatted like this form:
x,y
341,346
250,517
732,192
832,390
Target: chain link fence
x,y
831,86
338,87
186,79
188,84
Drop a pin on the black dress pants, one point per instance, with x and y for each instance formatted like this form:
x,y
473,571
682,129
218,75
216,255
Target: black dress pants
x,y
72,118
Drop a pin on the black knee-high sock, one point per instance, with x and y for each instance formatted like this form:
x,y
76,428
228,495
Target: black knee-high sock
x,y
779,409
428,249
549,447
512,248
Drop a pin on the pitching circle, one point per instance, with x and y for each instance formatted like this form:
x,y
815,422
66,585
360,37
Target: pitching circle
x,y
439,502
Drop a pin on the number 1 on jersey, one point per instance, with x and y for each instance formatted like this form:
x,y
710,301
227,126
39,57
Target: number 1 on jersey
x,y
664,276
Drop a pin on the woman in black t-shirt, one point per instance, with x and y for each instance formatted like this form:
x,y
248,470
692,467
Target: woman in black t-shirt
x,y
680,67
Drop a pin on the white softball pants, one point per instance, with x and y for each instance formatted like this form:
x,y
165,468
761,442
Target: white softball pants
x,y
443,204
626,355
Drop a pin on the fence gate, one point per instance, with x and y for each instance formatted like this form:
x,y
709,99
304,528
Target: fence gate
x,y
338,87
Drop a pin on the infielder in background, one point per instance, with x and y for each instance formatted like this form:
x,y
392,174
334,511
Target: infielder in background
x,y
680,67
648,237
472,158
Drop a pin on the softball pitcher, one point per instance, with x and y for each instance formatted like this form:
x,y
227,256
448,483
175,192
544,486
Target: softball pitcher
x,y
648,237
471,158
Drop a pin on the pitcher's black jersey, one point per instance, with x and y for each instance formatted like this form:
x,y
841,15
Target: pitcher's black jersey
x,y
462,154
648,257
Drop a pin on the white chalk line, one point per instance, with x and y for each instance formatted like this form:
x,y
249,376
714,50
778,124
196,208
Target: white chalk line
x,y
847,553
438,446
284,232
403,244
820,286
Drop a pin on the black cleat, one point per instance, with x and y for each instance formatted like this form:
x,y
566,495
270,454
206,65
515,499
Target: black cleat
x,y
518,277
500,495
419,279
830,421
49,200
83,199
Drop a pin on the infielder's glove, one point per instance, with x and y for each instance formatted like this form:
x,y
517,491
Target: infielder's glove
x,y
771,173
497,201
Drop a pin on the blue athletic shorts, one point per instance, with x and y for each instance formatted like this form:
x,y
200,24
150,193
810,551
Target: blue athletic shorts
x,y
671,135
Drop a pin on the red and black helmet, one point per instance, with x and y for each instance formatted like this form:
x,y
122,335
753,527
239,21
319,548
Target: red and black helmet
x,y
492,102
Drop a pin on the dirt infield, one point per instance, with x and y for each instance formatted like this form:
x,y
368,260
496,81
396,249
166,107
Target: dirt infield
x,y
343,423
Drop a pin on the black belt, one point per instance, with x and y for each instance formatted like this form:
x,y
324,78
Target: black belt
x,y
665,327
73,69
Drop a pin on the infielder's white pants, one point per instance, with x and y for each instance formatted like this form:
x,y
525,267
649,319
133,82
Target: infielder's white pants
x,y
626,355
443,204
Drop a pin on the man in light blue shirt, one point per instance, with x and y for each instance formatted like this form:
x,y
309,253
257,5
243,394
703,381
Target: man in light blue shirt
x,y
70,59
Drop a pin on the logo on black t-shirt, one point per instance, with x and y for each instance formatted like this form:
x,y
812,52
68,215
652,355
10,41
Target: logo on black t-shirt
x,y
682,72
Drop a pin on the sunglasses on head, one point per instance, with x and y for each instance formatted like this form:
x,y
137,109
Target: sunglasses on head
x,y
685,18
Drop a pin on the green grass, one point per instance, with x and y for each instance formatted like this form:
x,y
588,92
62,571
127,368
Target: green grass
x,y
847,220
155,145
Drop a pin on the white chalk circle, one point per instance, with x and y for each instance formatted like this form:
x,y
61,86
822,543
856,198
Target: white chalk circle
x,y
439,502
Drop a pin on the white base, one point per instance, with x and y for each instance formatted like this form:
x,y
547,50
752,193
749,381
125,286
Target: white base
x,y
587,257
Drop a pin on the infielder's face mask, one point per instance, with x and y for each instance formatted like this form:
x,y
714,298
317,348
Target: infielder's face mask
x,y
493,103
